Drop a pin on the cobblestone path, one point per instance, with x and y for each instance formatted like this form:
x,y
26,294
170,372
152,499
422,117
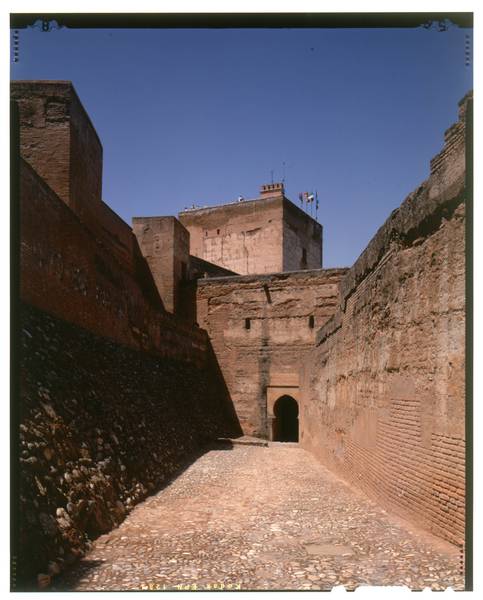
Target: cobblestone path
x,y
261,518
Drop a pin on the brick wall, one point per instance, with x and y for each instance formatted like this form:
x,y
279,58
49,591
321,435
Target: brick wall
x,y
164,243
302,239
115,393
45,131
85,160
383,395
260,329
68,271
58,140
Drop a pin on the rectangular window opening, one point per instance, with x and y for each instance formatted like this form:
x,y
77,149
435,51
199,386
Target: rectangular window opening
x,y
247,324
311,321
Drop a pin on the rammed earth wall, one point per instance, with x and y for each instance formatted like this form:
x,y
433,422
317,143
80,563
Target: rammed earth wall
x,y
384,391
261,328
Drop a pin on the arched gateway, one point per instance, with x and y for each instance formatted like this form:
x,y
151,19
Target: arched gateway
x,y
286,421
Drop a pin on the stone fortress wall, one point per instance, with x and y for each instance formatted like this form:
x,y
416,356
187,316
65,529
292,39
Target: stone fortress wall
x,y
261,328
383,392
115,392
138,345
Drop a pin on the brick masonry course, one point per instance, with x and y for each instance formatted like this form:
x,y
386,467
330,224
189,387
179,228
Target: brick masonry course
x,y
384,391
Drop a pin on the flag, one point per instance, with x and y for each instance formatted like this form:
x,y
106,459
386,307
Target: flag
x,y
310,198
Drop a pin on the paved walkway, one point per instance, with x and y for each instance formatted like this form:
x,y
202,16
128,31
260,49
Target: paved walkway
x,y
261,518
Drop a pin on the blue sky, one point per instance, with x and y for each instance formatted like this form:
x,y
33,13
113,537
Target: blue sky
x,y
201,116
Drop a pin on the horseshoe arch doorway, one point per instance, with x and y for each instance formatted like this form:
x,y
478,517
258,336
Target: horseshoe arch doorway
x,y
286,420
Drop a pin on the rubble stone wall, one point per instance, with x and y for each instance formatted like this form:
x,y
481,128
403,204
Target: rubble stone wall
x,y
383,394
101,426
115,393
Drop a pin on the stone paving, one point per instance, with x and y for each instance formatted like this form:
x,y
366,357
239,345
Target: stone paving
x,y
256,518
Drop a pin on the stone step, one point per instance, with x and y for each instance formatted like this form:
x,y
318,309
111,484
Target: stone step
x,y
284,444
244,440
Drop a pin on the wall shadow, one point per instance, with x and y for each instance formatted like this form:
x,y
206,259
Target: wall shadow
x,y
72,575
230,417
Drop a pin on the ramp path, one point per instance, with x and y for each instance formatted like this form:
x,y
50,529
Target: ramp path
x,y
252,518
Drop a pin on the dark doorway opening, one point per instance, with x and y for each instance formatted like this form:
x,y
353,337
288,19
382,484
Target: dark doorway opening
x,y
286,422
